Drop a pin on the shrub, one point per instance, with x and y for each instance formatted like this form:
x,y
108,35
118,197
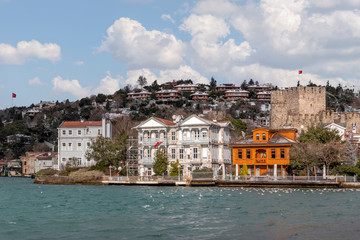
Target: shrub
x,y
67,171
83,175
46,172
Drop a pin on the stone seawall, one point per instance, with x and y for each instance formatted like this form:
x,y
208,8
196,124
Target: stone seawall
x,y
64,180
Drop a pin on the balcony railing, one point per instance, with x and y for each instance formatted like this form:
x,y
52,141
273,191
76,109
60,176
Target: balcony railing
x,y
153,141
195,140
146,160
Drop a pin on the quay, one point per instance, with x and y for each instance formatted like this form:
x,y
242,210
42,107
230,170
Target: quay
x,y
258,182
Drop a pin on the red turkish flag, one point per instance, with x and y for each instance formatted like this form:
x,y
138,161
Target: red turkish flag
x,y
157,144
300,71
13,95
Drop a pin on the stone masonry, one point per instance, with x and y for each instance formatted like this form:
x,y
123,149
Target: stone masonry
x,y
302,107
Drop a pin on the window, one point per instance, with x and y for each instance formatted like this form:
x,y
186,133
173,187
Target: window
x,y
70,132
204,134
257,137
79,146
63,146
173,153
99,131
69,146
63,159
149,172
248,155
197,134
240,154
79,132
181,153
282,153
63,132
264,136
195,153
88,144
273,153
173,136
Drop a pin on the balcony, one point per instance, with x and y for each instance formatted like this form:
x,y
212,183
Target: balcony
x,y
153,141
195,140
146,160
260,160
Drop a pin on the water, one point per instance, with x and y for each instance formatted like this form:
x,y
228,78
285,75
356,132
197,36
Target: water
x,y
31,211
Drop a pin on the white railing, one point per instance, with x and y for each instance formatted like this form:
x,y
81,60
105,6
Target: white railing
x,y
153,141
146,160
195,140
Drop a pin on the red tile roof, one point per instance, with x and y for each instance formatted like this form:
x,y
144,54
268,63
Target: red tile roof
x,y
80,124
167,122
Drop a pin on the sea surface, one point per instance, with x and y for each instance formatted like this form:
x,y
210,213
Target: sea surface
x,y
32,211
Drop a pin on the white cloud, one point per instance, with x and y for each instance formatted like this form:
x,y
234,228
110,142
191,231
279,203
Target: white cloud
x,y
24,51
79,63
167,17
35,81
222,8
183,72
129,42
108,85
71,86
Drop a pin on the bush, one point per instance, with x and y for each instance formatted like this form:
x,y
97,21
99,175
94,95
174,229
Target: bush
x,y
100,166
68,170
46,172
83,175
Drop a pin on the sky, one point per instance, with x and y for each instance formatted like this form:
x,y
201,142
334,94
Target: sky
x,y
65,49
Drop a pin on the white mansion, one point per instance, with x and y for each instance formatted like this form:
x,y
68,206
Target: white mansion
x,y
196,142
75,137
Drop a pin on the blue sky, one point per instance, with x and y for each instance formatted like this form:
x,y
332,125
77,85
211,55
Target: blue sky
x,y
58,50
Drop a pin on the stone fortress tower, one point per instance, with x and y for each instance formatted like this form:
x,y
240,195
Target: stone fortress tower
x,y
302,107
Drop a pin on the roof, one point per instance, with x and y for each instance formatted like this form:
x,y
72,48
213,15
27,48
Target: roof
x,y
80,123
277,138
167,122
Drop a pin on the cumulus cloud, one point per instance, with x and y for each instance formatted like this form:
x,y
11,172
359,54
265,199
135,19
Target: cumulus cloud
x,y
183,72
35,81
211,54
129,42
167,17
70,86
108,85
24,51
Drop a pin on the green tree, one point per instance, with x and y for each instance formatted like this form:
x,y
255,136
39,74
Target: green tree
x,y
319,134
175,168
100,98
161,162
212,84
244,170
239,125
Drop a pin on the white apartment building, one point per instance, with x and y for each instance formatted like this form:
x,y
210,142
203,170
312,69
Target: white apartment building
x,y
196,142
75,137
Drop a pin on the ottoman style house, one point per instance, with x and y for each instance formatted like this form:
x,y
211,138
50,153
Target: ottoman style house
x,y
266,152
195,142
75,137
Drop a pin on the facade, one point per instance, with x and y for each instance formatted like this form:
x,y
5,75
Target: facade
x,y
139,95
168,94
199,96
264,96
33,162
74,139
266,152
186,87
227,87
196,142
259,88
236,94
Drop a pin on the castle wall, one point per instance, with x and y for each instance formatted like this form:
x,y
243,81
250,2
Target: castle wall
x,y
303,107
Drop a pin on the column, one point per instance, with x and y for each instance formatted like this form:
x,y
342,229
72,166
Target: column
x,y
324,171
275,171
237,172
223,171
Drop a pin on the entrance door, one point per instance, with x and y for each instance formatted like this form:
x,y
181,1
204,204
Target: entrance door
x,y
257,171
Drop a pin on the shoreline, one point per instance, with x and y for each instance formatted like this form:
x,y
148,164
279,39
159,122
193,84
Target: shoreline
x,y
200,183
